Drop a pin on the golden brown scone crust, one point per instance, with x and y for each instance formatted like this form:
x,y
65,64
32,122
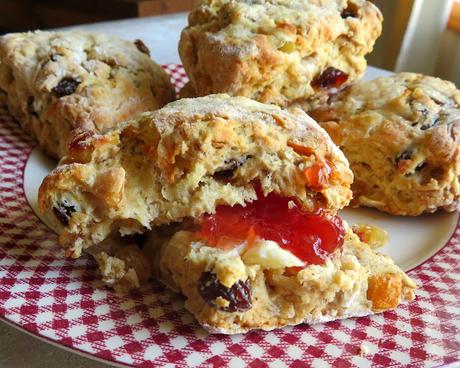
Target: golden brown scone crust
x,y
274,50
401,135
182,161
356,281
59,81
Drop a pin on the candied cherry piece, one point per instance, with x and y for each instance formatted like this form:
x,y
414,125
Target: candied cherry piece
x,y
312,237
330,78
238,296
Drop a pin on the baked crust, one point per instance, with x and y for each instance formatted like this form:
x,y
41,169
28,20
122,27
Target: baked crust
x,y
56,82
275,51
356,281
185,159
401,135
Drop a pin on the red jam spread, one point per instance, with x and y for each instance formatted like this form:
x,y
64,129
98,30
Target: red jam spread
x,y
309,236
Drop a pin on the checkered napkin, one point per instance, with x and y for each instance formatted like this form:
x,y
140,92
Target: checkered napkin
x,y
63,301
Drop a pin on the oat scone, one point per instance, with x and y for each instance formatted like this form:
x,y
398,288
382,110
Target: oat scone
x,y
277,51
255,283
56,82
183,160
401,135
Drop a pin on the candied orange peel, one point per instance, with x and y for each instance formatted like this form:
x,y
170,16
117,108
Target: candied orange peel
x,y
384,291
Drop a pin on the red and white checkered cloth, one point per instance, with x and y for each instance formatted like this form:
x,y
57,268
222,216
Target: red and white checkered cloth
x,y
62,300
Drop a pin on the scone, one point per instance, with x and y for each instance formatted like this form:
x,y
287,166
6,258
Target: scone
x,y
185,159
277,51
241,198
270,264
56,82
401,135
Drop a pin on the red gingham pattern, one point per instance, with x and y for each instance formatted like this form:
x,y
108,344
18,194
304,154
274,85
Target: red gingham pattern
x,y
62,300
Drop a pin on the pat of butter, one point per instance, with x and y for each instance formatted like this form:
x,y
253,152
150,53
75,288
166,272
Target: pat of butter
x,y
269,254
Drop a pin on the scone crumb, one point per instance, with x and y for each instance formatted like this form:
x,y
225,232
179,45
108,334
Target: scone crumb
x,y
291,205
363,350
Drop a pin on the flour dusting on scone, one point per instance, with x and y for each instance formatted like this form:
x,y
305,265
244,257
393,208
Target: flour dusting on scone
x,y
55,82
277,51
185,159
401,135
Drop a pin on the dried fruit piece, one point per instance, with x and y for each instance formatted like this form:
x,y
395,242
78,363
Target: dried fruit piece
x,y
374,236
331,77
384,291
78,140
405,155
64,212
318,176
66,87
142,47
288,47
350,11
228,169
406,160
30,106
234,299
430,123
301,150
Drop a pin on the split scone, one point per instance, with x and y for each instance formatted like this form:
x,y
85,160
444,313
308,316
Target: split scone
x,y
55,82
401,135
241,198
277,51
271,264
183,160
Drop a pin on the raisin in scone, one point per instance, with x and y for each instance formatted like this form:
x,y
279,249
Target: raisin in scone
x,y
56,82
401,135
271,264
185,159
277,51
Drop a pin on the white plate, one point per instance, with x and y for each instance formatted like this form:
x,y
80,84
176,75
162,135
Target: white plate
x,y
412,240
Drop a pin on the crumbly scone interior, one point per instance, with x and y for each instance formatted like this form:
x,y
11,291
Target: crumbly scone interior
x,y
273,289
169,165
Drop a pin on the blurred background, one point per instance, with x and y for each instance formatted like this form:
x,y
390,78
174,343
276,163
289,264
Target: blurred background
x,y
418,35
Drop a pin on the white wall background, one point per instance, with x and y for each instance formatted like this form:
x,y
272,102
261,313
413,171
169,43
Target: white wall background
x,y
415,39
